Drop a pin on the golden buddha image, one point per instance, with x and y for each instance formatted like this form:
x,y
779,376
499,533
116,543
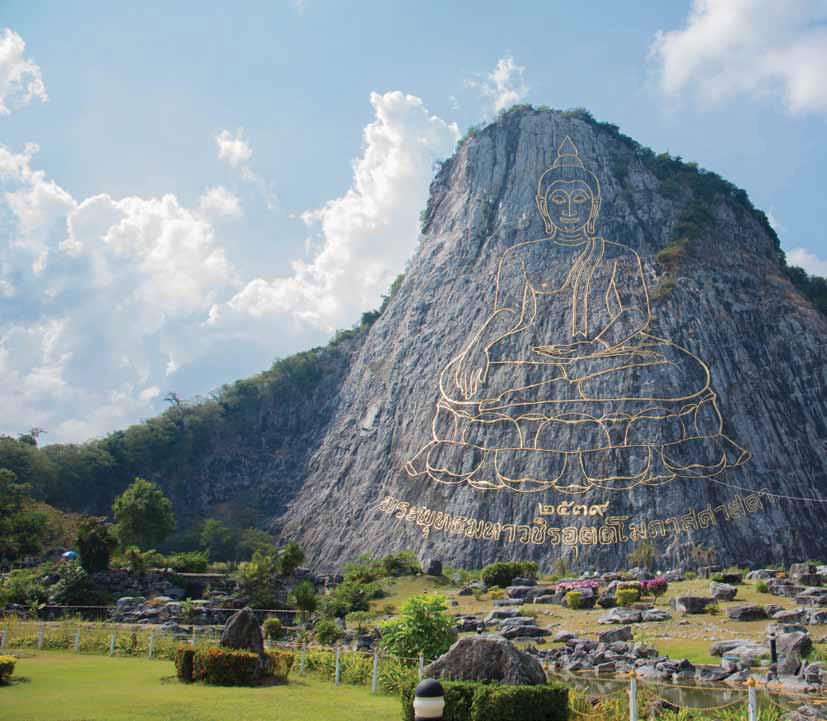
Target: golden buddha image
x,y
563,387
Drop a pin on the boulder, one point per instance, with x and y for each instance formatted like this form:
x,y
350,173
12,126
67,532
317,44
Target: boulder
x,y
817,616
813,596
796,615
487,658
432,567
606,600
722,591
564,636
523,581
711,673
243,631
548,599
503,602
720,648
522,631
499,614
621,615
772,609
732,578
655,614
517,591
691,604
746,612
762,574
623,633
792,647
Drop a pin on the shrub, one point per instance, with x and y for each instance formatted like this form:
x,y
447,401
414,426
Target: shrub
x,y
627,596
574,599
188,562
6,667
422,626
359,621
517,703
290,558
279,664
304,598
459,696
73,587
713,609
96,541
272,628
404,563
225,667
762,587
327,632
690,575
502,573
717,577
475,701
184,658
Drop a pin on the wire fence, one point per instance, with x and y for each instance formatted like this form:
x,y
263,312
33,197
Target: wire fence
x,y
609,699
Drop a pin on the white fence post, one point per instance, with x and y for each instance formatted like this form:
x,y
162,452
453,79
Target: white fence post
x,y
338,663
421,665
375,680
753,700
40,634
77,640
633,696
301,658
151,643
112,643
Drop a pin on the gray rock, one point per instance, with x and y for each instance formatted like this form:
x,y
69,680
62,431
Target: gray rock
x,y
719,648
499,614
746,612
523,581
794,616
624,633
564,636
506,602
487,658
518,591
691,604
543,600
722,591
711,673
621,615
243,632
522,631
655,614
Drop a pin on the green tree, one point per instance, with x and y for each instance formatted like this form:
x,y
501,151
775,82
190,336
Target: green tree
x,y
290,558
143,514
643,556
303,597
218,540
251,540
22,527
422,626
256,580
95,543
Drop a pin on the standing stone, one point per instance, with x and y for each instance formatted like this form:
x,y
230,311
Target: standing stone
x,y
243,631
487,658
432,567
722,591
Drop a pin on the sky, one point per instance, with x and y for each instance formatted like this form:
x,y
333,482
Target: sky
x,y
189,193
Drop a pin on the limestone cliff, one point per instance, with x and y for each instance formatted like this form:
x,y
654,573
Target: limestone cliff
x,y
699,382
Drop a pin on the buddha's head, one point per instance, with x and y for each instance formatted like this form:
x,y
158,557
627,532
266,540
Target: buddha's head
x,y
568,195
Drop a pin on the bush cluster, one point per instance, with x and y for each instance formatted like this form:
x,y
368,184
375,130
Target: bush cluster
x,y
627,596
574,600
6,667
279,664
475,701
272,628
184,663
502,573
225,667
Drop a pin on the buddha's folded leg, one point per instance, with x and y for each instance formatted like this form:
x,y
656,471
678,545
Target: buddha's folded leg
x,y
651,369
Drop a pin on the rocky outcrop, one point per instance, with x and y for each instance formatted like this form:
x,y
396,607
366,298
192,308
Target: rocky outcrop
x,y
487,658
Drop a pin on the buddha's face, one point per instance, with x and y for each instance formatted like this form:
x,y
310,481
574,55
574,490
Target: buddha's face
x,y
569,204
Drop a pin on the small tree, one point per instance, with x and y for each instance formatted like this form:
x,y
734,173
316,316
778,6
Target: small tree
x,y
422,626
643,556
290,558
217,539
326,631
143,514
304,598
95,543
256,580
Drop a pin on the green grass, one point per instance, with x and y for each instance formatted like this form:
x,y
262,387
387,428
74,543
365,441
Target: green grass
x,y
56,686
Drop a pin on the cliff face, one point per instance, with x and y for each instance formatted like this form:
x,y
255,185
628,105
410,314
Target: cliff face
x,y
640,387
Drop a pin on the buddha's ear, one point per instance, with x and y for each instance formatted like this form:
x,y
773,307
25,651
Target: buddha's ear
x,y
590,229
542,206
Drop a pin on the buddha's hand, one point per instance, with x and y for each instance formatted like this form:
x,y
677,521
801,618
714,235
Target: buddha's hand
x,y
570,351
472,371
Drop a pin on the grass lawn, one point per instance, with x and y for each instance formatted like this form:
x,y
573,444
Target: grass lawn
x,y
58,686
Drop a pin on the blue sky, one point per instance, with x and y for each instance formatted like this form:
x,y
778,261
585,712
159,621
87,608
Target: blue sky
x,y
213,188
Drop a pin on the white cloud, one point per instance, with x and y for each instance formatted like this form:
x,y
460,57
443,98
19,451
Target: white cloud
x,y
98,296
219,201
733,47
503,86
367,234
298,5
21,80
232,148
806,259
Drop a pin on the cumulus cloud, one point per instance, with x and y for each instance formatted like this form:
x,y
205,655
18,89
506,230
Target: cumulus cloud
x,y
219,201
503,86
234,150
734,47
98,296
808,260
366,234
21,80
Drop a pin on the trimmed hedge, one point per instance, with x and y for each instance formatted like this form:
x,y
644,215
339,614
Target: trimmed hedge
x,y
477,701
184,662
6,667
574,600
279,664
627,596
225,667
521,703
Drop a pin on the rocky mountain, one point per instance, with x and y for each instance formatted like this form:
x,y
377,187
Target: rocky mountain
x,y
652,378
595,350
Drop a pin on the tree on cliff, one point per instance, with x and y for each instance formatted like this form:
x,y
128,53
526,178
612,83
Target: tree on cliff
x,y
143,515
